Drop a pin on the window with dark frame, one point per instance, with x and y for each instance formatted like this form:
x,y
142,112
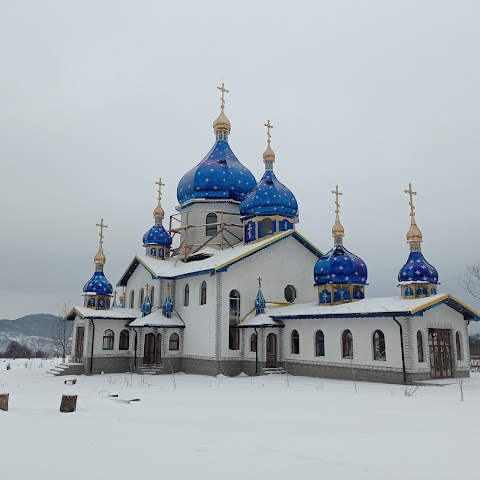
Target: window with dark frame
x,y
253,342
266,226
295,342
420,346
379,346
203,293
186,296
132,299
458,345
319,344
290,293
141,298
347,344
233,320
212,226
124,340
174,342
108,339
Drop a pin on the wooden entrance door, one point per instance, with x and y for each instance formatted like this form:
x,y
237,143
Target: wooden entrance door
x,y
149,349
79,344
440,353
271,350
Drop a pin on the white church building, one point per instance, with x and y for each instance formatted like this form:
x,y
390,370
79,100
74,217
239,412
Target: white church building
x,y
231,286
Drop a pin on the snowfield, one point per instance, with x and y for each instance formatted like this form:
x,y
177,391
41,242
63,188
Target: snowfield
x,y
200,427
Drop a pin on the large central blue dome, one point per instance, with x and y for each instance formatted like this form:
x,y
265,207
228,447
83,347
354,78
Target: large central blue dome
x,y
339,266
269,197
219,175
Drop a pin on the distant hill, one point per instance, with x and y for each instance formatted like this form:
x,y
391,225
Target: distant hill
x,y
26,329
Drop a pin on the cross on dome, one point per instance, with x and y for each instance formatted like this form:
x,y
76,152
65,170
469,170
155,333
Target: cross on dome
x,y
411,193
102,226
337,193
269,126
268,154
224,91
338,231
414,235
100,258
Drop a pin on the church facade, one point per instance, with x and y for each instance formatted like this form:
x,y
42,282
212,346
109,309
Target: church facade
x,y
231,286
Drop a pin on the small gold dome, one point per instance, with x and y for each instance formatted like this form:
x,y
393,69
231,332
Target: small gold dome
x,y
337,229
122,296
100,258
414,234
268,155
159,213
222,123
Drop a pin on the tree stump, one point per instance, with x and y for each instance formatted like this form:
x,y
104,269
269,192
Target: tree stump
x,y
69,403
4,401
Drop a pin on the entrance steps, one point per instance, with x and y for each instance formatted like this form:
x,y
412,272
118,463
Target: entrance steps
x,y
67,369
150,370
274,371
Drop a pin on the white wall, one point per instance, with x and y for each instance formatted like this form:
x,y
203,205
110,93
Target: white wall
x,y
140,277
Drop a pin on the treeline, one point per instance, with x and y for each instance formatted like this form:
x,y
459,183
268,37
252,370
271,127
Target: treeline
x,y
474,345
19,350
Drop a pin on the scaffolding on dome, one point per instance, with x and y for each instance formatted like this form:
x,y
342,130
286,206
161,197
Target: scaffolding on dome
x,y
188,251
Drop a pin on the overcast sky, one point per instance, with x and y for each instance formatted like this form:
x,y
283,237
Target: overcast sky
x,y
100,98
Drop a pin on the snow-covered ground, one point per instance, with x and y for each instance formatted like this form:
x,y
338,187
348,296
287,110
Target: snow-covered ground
x,y
234,428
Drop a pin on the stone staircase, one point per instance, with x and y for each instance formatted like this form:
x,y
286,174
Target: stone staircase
x,y
150,370
274,371
67,369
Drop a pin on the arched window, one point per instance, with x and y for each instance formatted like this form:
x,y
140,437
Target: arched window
x,y
266,226
132,299
379,345
152,296
174,342
158,348
141,296
211,225
108,339
319,344
420,346
458,344
295,342
253,343
347,344
153,252
233,320
203,293
124,340
290,293
161,253
186,296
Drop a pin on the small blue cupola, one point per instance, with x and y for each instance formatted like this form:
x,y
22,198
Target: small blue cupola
x,y
167,305
340,276
417,278
157,241
98,290
259,300
146,307
219,176
270,207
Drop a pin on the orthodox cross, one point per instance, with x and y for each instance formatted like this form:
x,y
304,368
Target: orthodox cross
x,y
160,185
147,287
102,226
224,91
168,289
411,193
259,283
337,193
269,126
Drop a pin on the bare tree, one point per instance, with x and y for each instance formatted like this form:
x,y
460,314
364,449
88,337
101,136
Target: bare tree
x,y
38,345
470,281
62,334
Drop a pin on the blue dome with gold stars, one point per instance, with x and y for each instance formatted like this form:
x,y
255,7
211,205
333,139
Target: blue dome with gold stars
x,y
98,285
417,269
157,235
339,266
220,175
269,197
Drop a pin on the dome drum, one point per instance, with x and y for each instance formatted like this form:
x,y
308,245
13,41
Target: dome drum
x,y
412,290
259,227
98,302
336,294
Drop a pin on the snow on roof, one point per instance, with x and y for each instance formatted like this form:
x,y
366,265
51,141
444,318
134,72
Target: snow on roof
x,y
261,320
218,259
371,307
156,319
116,313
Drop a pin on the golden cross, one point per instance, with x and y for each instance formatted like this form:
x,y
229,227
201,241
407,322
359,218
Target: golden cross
x,y
160,185
223,90
168,289
102,226
147,286
259,283
269,126
411,193
337,194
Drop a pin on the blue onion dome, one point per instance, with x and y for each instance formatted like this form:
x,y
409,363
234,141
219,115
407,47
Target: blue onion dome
x,y
269,196
220,175
167,307
157,235
339,266
146,307
417,269
260,303
98,285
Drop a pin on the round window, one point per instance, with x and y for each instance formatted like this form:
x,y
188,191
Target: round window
x,y
290,293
